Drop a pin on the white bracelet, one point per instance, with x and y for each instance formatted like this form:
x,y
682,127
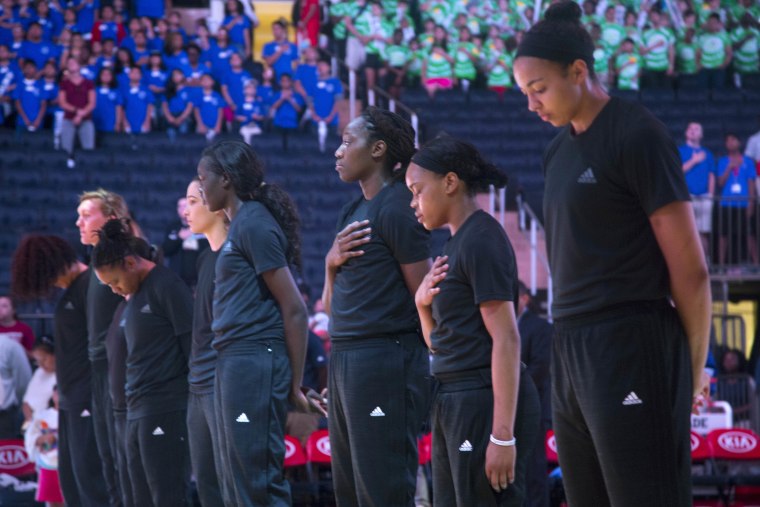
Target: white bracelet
x,y
502,443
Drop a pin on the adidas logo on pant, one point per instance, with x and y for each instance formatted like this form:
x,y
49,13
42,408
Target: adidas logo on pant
x,y
632,399
158,431
378,412
465,447
242,418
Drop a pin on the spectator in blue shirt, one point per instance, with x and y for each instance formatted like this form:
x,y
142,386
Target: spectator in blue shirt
x,y
24,15
138,104
208,109
736,177
153,9
219,54
140,50
108,113
174,54
250,113
86,11
156,77
238,26
29,99
34,48
699,170
280,53
327,92
234,81
265,91
306,73
53,113
51,24
9,69
197,67
122,69
287,106
107,27
178,106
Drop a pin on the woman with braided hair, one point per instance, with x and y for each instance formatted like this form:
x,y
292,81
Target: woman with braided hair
x,y
40,264
260,323
379,374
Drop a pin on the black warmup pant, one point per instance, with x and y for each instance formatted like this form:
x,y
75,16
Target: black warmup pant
x,y
204,448
157,456
79,468
379,392
622,396
120,455
462,424
102,420
251,397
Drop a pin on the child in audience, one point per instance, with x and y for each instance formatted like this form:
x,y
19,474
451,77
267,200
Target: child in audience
x,y
178,106
29,99
108,114
41,443
138,104
250,113
39,392
208,109
628,66
233,83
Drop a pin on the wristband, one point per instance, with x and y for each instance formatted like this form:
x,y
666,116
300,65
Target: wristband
x,y
502,443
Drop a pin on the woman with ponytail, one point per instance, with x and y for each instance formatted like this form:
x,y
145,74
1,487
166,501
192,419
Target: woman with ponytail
x,y
260,323
623,250
158,322
40,264
486,413
379,368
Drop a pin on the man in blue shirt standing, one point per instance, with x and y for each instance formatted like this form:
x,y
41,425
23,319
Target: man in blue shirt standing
x,y
280,53
29,99
699,170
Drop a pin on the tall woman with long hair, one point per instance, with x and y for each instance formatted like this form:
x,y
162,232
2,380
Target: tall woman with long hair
x,y
379,367
260,323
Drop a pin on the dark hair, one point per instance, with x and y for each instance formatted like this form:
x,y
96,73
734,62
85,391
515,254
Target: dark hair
x,y
245,170
398,135
99,80
116,242
45,343
239,8
118,65
171,86
39,260
447,154
561,29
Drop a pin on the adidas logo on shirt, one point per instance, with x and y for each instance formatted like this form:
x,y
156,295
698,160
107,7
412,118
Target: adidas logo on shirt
x,y
242,418
587,176
158,431
465,447
85,413
69,306
227,247
377,412
145,309
632,399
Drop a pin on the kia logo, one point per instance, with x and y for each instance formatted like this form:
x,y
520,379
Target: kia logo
x,y
552,443
323,446
736,441
290,449
694,442
13,457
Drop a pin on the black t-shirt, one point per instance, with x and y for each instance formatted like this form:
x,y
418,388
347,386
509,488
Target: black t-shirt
x,y
158,326
244,309
601,188
482,268
72,364
202,355
101,304
370,296
116,349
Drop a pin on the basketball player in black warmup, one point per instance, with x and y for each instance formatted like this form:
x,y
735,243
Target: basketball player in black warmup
x,y
486,413
622,244
379,368
41,263
260,323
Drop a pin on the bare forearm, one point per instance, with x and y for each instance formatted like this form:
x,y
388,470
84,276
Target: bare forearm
x,y
505,375
328,289
427,323
693,300
296,326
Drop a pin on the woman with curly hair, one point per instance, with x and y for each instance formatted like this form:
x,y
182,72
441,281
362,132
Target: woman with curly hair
x,y
379,373
40,264
260,323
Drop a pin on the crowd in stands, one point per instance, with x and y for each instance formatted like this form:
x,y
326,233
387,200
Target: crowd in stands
x,y
141,70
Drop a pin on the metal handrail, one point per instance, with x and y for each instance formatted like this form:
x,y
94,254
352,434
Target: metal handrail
x,y
524,212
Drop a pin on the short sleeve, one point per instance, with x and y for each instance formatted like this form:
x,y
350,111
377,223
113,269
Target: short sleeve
x,y
407,239
268,50
263,243
489,265
652,167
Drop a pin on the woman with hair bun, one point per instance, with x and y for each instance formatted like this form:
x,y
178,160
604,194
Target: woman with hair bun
x,y
485,414
379,369
260,323
158,322
623,249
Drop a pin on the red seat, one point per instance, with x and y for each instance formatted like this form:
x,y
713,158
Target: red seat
x,y
734,444
13,459
550,445
294,454
425,448
700,448
318,447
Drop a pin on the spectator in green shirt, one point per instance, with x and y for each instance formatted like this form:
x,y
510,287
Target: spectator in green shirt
x,y
716,53
437,67
658,50
688,54
397,58
627,66
466,57
612,32
745,39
